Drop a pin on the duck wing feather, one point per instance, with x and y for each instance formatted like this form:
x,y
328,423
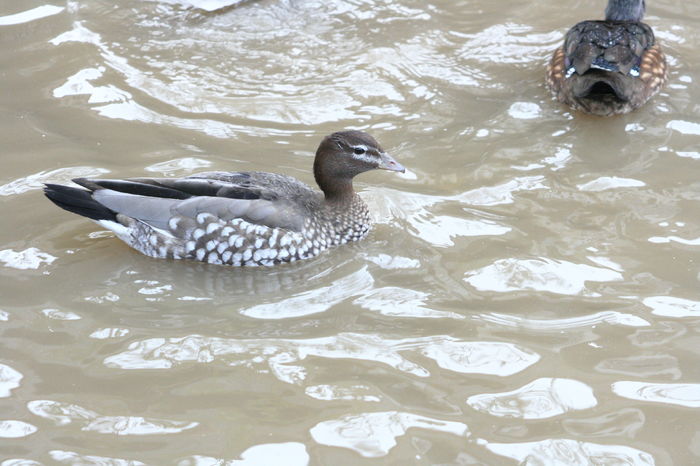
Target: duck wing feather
x,y
272,200
616,46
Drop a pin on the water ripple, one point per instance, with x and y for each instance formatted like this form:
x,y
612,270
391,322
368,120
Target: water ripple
x,y
109,332
623,422
681,394
65,413
540,399
57,314
20,462
507,43
179,166
671,306
642,365
15,429
402,302
440,230
372,435
314,301
26,16
60,176
280,84
604,183
336,392
567,452
9,380
74,458
480,357
267,454
206,5
535,271
541,274
566,323
27,259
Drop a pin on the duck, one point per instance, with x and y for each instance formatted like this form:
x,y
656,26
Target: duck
x,y
608,67
237,218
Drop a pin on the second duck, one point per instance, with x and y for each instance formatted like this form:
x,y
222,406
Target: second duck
x,y
608,67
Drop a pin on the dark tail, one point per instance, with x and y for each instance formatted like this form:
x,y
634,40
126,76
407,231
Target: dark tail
x,y
79,201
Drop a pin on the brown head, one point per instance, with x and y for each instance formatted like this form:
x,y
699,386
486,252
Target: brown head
x,y
343,155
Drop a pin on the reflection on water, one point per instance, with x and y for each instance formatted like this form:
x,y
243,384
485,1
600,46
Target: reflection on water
x,y
528,294
480,357
671,306
16,429
540,399
571,452
30,15
71,457
314,301
290,453
541,274
30,258
374,434
64,413
9,379
673,393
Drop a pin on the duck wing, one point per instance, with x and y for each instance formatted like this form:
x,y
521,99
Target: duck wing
x,y
615,46
274,201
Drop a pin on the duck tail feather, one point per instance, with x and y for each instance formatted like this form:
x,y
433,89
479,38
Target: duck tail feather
x,y
79,201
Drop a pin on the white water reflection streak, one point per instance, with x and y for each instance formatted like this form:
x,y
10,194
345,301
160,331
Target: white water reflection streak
x,y
540,399
372,435
402,302
566,323
26,16
671,306
316,300
27,259
9,380
680,394
604,183
281,356
73,458
268,454
15,429
66,413
541,274
567,452
60,175
335,392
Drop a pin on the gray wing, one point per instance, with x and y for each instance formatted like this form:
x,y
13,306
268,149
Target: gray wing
x,y
274,201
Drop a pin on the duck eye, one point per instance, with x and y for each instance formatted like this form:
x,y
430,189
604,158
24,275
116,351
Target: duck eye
x,y
359,150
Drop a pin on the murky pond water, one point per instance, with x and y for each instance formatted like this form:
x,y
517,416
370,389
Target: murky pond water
x,y
529,292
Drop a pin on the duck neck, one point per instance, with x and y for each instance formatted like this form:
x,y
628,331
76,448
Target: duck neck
x,y
625,10
338,192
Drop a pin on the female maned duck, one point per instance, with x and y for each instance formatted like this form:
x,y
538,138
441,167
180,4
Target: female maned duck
x,y
239,218
608,67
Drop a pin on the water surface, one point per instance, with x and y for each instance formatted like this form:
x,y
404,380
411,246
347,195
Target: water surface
x,y
529,293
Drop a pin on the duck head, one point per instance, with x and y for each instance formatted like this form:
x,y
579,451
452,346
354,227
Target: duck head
x,y
343,155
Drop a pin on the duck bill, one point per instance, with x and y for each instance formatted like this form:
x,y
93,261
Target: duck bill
x,y
388,163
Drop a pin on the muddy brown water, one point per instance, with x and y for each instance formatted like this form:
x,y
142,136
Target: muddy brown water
x,y
529,293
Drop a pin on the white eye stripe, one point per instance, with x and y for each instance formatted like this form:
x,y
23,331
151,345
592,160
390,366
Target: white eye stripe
x,y
364,157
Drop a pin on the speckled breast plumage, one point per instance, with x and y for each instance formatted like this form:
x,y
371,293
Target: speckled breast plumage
x,y
237,242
